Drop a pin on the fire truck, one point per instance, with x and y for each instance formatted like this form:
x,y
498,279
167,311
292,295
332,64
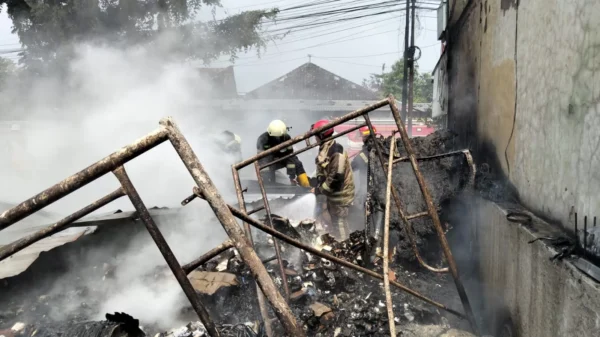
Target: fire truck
x,y
352,142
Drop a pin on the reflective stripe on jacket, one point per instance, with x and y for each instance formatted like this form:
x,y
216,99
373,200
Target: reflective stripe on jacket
x,y
335,174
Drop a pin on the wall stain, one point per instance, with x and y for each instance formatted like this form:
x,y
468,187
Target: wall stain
x,y
508,4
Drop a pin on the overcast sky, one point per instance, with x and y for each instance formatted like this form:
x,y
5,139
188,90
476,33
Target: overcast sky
x,y
352,49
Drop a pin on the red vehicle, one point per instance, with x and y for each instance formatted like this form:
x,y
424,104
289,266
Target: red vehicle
x,y
352,142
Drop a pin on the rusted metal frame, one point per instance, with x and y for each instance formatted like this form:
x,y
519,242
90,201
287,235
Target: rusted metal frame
x,y
257,224
466,153
189,267
81,178
264,311
242,243
166,251
270,222
386,244
434,217
62,224
291,142
194,196
407,225
310,146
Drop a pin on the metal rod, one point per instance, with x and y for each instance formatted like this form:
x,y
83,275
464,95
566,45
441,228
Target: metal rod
x,y
310,146
270,222
81,178
576,233
166,251
386,244
434,217
594,221
194,196
447,154
27,241
333,123
411,70
407,224
242,243
188,268
584,236
417,215
405,63
264,311
255,223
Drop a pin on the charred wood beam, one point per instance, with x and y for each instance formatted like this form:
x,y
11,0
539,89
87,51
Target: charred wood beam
x,y
82,178
188,268
434,216
241,242
64,223
166,251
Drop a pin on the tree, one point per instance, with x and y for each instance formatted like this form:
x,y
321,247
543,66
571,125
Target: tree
x,y
48,28
7,68
391,83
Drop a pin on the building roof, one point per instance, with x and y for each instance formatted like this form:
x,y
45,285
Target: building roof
x,y
311,82
221,81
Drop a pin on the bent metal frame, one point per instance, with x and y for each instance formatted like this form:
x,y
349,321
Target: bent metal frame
x,y
241,241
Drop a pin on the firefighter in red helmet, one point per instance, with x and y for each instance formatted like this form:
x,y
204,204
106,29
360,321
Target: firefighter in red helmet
x,y
334,179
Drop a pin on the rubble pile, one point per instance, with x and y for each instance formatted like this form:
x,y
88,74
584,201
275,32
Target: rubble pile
x,y
446,177
330,300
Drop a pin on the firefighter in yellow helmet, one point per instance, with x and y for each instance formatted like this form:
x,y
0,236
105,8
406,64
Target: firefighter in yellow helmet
x,y
334,180
275,135
360,163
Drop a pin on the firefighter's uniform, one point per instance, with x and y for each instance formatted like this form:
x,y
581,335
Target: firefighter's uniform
x,y
275,135
231,144
336,182
360,163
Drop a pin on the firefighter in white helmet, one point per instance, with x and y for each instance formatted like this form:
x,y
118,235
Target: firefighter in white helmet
x,y
275,135
230,144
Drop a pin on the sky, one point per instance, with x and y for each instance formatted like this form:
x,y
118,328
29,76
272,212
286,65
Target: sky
x,y
351,49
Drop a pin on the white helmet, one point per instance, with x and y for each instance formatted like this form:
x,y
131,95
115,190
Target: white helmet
x,y
277,128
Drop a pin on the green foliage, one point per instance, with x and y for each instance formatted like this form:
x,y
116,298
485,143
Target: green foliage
x,y
7,69
47,28
391,83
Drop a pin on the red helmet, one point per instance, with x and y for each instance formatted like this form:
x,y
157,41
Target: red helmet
x,y
325,133
365,130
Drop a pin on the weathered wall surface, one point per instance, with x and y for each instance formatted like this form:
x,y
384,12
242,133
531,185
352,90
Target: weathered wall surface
x,y
544,298
525,94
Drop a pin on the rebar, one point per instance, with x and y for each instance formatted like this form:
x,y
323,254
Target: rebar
x,y
386,243
241,242
166,251
270,222
81,178
434,217
27,241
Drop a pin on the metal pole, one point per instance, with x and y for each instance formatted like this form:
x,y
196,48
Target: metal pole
x,y
166,251
333,123
188,268
241,242
411,64
27,241
386,243
240,215
81,178
405,63
434,217
270,221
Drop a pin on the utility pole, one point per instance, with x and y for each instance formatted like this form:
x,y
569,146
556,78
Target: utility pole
x,y
411,64
309,58
405,65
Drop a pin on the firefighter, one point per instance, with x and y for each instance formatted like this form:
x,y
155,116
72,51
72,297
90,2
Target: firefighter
x,y
334,180
275,135
231,144
360,162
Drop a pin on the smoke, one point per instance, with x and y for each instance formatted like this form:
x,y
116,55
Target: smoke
x,y
300,209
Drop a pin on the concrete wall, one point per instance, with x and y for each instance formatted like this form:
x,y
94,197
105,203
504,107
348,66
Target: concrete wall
x,y
525,94
543,298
